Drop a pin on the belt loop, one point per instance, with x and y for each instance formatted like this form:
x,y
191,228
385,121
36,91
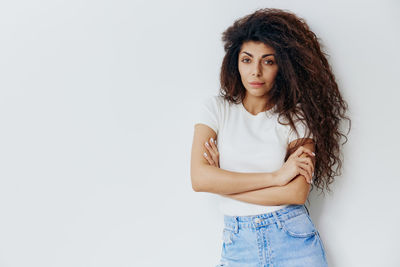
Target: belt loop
x,y
236,227
277,220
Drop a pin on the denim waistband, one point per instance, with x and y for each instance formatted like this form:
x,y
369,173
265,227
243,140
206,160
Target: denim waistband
x,y
234,223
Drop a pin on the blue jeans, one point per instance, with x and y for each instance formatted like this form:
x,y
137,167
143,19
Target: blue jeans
x,y
282,238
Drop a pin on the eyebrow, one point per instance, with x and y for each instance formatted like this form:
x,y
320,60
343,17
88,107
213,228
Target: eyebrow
x,y
263,56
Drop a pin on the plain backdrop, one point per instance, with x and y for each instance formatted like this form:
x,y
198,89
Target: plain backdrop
x,y
96,127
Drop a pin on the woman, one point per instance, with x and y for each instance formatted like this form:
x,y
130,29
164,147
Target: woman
x,y
277,123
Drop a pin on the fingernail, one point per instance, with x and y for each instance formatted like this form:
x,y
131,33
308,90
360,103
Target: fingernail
x,y
207,144
205,154
212,140
313,153
215,141
313,174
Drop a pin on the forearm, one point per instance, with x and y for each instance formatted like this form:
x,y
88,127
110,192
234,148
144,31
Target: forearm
x,y
219,181
273,196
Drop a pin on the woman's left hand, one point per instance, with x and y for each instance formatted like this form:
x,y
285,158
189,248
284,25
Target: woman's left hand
x,y
213,155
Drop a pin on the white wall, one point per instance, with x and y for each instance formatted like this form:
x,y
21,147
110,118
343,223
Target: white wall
x,y
97,100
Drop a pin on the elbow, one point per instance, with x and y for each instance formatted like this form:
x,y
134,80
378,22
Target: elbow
x,y
199,187
299,189
298,199
196,181
301,200
195,186
200,182
302,195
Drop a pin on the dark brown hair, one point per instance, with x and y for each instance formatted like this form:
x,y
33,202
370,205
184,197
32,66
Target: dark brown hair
x,y
304,85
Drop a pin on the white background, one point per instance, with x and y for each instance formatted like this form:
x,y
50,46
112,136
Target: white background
x,y
97,104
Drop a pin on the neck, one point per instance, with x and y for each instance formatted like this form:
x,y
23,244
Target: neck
x,y
256,105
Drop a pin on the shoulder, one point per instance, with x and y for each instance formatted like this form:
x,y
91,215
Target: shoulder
x,y
297,116
217,99
214,102
300,130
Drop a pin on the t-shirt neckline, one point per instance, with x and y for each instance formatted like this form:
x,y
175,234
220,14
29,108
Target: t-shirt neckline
x,y
266,113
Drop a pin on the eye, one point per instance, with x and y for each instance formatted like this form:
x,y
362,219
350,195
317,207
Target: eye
x,y
269,62
243,60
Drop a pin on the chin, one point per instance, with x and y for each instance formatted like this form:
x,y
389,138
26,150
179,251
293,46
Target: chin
x,y
257,92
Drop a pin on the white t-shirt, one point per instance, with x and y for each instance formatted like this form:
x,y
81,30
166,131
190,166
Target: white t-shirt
x,y
247,143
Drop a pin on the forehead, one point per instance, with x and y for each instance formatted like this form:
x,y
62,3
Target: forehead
x,y
256,48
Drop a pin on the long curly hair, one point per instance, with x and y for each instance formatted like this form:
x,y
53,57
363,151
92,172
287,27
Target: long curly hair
x,y
304,86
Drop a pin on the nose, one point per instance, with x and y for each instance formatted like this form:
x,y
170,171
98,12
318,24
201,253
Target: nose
x,y
256,71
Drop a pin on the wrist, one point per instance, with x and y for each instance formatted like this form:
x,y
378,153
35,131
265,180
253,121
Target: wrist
x,y
277,178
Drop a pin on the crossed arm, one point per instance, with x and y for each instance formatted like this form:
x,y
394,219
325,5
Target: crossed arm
x,y
294,192
256,188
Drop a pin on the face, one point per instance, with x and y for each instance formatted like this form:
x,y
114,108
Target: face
x,y
257,67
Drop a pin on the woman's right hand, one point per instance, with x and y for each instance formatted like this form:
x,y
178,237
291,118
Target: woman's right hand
x,y
296,165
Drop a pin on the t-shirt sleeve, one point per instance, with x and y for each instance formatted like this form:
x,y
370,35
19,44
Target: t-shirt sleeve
x,y
302,130
208,113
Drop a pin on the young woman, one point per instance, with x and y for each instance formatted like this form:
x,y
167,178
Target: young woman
x,y
277,124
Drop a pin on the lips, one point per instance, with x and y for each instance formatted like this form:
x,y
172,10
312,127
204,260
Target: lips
x,y
256,83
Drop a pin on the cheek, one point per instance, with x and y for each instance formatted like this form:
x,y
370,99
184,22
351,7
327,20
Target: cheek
x,y
270,75
240,68
242,71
